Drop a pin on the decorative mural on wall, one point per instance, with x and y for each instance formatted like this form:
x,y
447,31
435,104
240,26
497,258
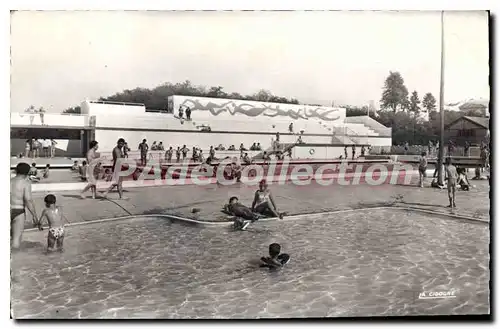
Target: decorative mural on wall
x,y
265,109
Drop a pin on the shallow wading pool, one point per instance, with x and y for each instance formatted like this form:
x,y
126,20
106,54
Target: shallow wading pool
x,y
362,263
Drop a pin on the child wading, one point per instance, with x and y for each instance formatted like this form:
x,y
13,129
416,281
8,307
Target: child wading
x,y
275,259
55,220
451,177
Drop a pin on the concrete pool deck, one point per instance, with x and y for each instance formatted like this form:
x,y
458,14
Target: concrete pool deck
x,y
180,200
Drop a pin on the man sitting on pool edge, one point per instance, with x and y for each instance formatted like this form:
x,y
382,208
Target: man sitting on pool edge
x,y
263,202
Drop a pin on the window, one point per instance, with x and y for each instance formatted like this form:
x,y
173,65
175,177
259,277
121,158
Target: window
x,y
466,133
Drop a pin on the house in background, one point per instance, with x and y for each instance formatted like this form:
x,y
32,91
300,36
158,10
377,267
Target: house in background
x,y
466,128
476,107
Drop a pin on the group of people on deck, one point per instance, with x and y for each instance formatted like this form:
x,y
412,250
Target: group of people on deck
x,y
93,169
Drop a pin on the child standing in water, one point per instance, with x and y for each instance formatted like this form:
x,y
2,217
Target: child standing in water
x,y
55,220
451,176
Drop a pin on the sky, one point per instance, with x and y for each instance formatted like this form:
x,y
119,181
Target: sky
x,y
60,58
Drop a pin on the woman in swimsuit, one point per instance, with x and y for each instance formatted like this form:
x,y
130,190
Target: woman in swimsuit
x,y
263,202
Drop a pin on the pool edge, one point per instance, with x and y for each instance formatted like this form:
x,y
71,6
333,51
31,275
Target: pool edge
x,y
288,218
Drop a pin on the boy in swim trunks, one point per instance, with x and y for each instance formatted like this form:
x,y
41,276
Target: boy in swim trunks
x,y
55,220
275,259
451,177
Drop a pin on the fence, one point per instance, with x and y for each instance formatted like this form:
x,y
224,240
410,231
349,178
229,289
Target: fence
x,y
474,151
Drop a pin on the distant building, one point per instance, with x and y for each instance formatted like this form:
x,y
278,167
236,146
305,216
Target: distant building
x,y
466,128
478,107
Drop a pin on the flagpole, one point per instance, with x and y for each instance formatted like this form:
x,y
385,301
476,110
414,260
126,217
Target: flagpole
x,y
441,107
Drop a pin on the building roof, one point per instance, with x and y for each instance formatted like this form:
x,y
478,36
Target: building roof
x,y
479,121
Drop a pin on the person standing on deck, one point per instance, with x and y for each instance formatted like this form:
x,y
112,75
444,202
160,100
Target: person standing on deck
x,y
27,148
92,156
345,153
46,148
422,168
184,151
353,151
168,154
178,154
117,179
36,148
212,153
20,199
41,112
143,148
451,177
466,148
188,114
31,111
53,144
126,149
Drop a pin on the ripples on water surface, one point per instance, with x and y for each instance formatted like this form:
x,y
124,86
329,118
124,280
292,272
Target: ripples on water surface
x,y
364,263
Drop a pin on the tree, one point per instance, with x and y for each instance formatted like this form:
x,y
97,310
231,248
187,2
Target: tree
x,y
73,110
414,103
157,98
429,102
395,93
263,96
216,92
355,111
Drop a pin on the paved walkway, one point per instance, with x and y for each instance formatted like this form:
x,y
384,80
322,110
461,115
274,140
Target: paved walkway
x,y
180,200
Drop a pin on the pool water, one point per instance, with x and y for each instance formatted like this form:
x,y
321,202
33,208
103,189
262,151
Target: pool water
x,y
363,263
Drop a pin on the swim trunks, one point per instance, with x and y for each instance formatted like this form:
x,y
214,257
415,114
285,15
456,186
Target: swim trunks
x,y
56,232
16,212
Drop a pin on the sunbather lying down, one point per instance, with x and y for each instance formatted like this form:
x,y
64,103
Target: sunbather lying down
x,y
243,215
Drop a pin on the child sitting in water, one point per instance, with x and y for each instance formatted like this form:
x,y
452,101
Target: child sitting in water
x,y
55,220
275,259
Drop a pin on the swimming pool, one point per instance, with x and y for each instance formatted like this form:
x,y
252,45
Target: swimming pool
x,y
363,263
